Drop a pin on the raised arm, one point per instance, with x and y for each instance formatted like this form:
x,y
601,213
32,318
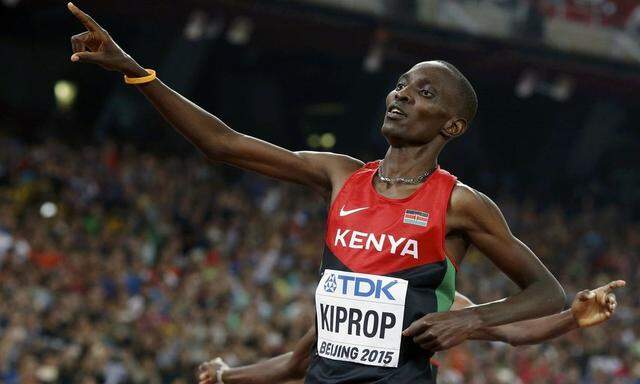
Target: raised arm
x,y
212,136
279,369
589,308
477,219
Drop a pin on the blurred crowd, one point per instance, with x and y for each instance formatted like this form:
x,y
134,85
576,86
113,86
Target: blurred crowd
x,y
122,266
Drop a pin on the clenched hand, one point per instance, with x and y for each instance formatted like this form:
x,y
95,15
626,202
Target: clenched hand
x,y
443,330
207,371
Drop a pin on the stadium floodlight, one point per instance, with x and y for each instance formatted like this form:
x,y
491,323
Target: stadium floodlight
x,y
562,89
327,140
48,210
195,27
65,93
313,140
202,26
239,32
526,85
374,59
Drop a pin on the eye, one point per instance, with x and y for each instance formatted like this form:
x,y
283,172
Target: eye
x,y
426,93
399,86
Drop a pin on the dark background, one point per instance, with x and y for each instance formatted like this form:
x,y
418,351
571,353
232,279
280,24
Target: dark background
x,y
301,72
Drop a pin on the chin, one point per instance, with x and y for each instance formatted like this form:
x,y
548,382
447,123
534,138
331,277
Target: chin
x,y
393,133
390,127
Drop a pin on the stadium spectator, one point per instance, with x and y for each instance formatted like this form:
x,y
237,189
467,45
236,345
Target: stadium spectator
x,y
143,265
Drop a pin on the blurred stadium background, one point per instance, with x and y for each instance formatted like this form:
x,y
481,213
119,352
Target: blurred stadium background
x,y
126,258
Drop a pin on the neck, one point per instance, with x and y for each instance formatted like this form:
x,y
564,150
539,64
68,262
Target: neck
x,y
410,161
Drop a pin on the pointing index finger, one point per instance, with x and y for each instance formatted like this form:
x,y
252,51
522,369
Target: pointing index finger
x,y
615,284
85,19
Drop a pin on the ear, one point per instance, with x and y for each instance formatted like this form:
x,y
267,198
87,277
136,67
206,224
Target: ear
x,y
454,128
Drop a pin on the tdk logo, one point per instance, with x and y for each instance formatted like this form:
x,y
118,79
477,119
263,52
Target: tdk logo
x,y
362,286
330,285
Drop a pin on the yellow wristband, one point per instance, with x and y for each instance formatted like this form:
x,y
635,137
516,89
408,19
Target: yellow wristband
x,y
141,80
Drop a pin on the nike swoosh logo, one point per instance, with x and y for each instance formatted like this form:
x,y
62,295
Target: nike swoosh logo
x,y
346,213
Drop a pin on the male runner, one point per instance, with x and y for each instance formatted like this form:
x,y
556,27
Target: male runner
x,y
589,308
396,228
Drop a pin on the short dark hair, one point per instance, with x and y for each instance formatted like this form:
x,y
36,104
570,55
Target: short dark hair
x,y
469,106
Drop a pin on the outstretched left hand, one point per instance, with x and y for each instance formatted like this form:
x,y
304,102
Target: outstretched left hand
x,y
592,307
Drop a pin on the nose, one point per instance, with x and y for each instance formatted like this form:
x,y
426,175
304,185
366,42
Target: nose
x,y
403,95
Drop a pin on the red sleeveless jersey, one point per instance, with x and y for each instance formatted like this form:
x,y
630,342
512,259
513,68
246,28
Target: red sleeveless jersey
x,y
372,235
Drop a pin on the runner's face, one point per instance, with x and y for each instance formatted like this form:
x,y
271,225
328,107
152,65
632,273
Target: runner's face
x,y
418,107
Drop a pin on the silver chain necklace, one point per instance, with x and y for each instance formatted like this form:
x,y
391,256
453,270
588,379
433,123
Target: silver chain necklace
x,y
405,180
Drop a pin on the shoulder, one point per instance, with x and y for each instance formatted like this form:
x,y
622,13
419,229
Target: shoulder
x,y
465,199
335,167
469,208
332,162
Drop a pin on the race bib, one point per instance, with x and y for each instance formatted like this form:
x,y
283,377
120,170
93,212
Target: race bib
x,y
360,317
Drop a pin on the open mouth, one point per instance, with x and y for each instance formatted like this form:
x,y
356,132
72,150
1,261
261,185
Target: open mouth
x,y
395,113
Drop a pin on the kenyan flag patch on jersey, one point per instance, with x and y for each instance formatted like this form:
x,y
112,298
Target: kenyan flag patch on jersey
x,y
414,217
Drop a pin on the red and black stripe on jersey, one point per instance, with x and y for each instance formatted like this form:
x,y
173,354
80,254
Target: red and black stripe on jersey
x,y
404,238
